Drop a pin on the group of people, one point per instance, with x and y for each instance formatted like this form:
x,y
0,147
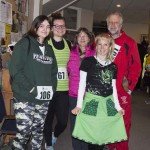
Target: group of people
x,y
90,80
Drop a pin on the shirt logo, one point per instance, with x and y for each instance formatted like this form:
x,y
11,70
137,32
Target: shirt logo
x,y
124,99
43,59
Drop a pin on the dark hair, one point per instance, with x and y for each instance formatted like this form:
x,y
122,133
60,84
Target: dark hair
x,y
57,16
36,24
89,34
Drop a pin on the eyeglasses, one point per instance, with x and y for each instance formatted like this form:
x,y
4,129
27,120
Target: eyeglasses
x,y
59,26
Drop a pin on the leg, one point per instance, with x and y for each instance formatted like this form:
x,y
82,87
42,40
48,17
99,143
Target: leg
x,y
125,102
127,120
49,122
61,110
77,144
38,125
24,118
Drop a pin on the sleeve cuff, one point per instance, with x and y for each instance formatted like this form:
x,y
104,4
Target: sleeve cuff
x,y
129,92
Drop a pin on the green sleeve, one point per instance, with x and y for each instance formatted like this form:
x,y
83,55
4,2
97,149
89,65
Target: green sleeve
x,y
18,62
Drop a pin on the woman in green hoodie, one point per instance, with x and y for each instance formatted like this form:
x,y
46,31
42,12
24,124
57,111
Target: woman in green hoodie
x,y
33,70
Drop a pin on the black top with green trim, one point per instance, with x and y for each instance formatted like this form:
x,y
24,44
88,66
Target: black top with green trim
x,y
99,77
30,68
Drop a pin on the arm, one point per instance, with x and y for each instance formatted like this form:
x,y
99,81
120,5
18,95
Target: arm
x,y
81,91
134,68
18,62
115,96
69,62
54,72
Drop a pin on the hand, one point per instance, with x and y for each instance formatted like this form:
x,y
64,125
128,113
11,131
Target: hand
x,y
76,110
125,84
122,112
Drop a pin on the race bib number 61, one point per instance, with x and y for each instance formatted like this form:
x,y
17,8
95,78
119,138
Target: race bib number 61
x,y
62,73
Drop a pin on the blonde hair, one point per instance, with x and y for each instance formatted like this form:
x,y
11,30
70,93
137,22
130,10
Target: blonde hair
x,y
111,44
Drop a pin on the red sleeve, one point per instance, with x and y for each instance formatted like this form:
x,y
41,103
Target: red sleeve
x,y
134,66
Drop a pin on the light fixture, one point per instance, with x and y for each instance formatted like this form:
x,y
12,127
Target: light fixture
x,y
118,5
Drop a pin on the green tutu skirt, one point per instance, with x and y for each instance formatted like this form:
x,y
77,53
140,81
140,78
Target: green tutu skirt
x,y
99,122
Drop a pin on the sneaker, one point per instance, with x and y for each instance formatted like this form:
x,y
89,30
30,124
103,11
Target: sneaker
x,y
49,148
54,139
147,89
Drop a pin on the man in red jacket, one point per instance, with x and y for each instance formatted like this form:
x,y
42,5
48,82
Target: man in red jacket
x,y
127,59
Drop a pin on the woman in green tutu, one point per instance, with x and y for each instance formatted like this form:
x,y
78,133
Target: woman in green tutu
x,y
99,115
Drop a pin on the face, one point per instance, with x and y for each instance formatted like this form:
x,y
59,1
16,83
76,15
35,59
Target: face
x,y
83,39
102,47
114,24
59,28
43,30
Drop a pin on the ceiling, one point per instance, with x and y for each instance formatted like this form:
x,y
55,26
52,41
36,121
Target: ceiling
x,y
51,6
134,11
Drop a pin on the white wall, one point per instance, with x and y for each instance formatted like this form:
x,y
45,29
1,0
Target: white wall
x,y
135,30
35,7
86,19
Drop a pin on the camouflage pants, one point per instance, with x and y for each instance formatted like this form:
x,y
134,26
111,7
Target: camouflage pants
x,y
30,120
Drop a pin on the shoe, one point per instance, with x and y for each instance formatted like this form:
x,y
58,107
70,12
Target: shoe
x,y
49,148
147,101
147,89
54,139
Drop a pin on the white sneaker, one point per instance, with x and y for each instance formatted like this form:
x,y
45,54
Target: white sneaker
x,y
54,139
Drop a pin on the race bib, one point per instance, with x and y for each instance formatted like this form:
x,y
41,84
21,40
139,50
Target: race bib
x,y
116,50
44,92
62,74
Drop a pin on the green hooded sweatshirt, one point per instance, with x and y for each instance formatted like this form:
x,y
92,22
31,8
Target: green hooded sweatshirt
x,y
29,68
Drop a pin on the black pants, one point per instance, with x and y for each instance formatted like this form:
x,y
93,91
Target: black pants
x,y
95,147
58,106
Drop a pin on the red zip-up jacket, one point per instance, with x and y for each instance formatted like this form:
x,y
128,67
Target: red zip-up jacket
x,y
127,60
